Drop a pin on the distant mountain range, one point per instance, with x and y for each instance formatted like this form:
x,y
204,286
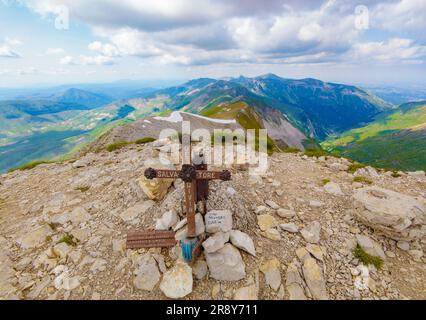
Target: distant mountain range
x,y
297,113
306,108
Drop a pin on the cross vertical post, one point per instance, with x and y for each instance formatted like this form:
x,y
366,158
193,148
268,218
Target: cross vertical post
x,y
190,184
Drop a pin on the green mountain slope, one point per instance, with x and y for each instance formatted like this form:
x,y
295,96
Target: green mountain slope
x,y
395,141
324,108
43,130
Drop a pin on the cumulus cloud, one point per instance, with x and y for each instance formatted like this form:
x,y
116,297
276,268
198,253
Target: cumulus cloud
x,y
7,52
400,15
391,51
202,32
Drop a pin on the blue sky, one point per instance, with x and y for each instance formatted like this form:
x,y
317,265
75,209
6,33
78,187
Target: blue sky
x,y
361,42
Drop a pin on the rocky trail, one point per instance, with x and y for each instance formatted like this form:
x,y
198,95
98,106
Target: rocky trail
x,y
290,234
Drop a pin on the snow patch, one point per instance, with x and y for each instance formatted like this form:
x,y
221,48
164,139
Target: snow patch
x,y
176,116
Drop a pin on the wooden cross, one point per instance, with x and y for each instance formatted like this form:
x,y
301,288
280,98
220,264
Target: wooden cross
x,y
190,176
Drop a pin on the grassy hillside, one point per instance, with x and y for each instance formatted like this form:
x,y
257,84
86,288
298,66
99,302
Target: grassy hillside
x,y
396,141
25,138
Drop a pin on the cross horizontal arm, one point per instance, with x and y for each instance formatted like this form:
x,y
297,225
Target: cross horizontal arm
x,y
151,173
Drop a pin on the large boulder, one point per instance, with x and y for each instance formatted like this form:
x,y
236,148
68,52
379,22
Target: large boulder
x,y
216,242
35,237
147,273
156,189
314,279
177,282
226,264
218,220
312,232
242,241
390,213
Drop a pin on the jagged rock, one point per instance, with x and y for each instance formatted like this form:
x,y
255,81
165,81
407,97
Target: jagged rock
x,y
160,260
336,167
218,220
271,270
161,142
79,215
390,213
177,282
370,246
260,209
199,269
266,221
294,282
242,241
316,204
98,265
147,273
302,254
311,233
403,245
199,228
61,218
132,213
290,227
314,279
334,189
417,174
64,281
316,251
35,238
81,234
168,220
367,172
155,189
246,293
272,204
272,234
81,163
216,242
61,250
226,264
286,213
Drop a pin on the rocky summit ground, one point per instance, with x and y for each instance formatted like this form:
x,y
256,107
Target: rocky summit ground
x,y
290,234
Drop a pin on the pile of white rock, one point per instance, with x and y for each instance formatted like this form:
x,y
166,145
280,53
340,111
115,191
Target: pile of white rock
x,y
223,260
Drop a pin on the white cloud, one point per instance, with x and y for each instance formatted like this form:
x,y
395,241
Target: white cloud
x,y
67,60
98,60
13,42
106,49
53,51
187,32
400,15
392,51
7,52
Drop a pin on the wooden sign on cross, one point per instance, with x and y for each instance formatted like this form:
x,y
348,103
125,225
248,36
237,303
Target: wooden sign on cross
x,y
190,175
194,177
